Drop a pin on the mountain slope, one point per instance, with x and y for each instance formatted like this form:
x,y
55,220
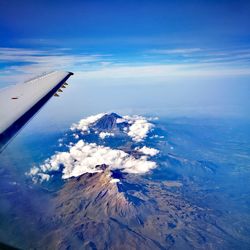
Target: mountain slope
x,y
102,213
107,122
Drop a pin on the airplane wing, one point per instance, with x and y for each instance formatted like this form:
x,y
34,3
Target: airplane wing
x,y
19,103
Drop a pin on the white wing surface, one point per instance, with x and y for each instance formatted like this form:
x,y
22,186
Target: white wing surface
x,y
20,102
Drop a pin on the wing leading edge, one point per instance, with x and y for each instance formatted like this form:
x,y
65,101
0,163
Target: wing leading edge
x,y
19,103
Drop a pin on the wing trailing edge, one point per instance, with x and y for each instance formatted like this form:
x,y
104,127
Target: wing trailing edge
x,y
19,103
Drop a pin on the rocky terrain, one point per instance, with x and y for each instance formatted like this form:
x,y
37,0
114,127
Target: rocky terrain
x,y
100,211
107,207
109,186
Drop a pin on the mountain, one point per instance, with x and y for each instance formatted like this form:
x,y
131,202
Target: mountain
x,y
110,210
107,122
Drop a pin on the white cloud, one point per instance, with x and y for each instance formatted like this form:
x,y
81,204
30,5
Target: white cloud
x,y
37,175
34,171
35,62
120,120
148,151
76,136
43,177
164,72
139,128
103,135
196,62
157,136
175,51
85,123
84,157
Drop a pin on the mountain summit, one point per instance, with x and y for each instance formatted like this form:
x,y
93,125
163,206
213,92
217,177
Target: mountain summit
x,y
97,194
104,212
107,122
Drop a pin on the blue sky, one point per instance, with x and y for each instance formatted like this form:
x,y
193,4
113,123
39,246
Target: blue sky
x,y
203,34
131,42
188,55
125,25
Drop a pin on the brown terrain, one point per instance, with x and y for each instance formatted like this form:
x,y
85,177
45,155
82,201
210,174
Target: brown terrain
x,y
91,212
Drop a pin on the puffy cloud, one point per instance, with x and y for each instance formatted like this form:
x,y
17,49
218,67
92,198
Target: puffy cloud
x,y
84,157
120,120
139,127
34,171
76,136
43,177
85,123
102,135
148,151
37,175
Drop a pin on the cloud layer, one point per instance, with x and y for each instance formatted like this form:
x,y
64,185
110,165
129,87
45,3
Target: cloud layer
x,y
18,64
84,157
148,151
103,135
84,124
138,126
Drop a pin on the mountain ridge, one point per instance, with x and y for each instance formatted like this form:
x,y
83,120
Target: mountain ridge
x,y
128,214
